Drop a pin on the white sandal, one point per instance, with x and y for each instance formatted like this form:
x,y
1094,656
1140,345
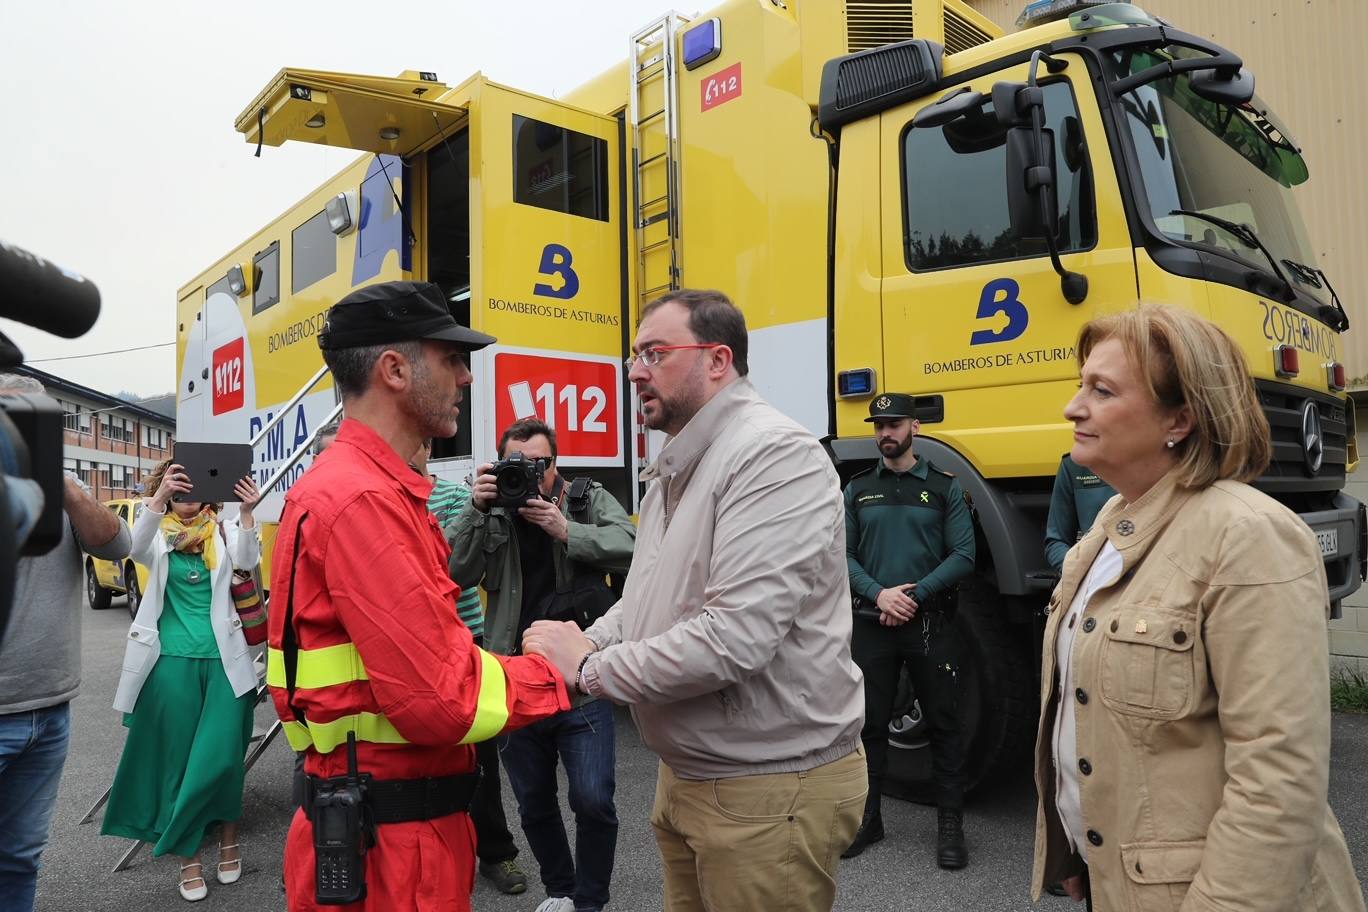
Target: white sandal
x,y
228,877
193,894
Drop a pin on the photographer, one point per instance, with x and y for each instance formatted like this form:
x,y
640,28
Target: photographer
x,y
545,559
40,672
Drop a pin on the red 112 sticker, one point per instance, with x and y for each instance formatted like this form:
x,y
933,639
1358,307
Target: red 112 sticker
x,y
227,377
721,87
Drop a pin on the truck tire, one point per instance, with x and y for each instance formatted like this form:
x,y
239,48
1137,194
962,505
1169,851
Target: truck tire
x,y
998,703
132,591
98,595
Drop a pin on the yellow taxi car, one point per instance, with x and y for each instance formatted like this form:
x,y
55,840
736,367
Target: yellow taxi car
x,y
106,579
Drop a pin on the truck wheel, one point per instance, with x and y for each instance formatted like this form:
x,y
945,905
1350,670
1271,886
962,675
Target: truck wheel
x,y
98,595
998,703
133,590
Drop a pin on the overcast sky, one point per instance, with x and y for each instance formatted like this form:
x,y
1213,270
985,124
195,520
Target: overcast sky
x,y
119,159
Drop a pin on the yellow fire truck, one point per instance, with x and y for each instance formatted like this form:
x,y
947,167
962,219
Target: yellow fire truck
x,y
899,196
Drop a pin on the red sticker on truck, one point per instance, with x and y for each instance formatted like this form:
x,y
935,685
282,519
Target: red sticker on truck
x,y
721,87
227,368
576,396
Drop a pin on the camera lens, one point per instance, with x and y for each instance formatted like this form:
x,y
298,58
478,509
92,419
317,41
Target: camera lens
x,y
512,483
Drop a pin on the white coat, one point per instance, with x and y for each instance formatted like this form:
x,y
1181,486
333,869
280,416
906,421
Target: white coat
x,y
150,549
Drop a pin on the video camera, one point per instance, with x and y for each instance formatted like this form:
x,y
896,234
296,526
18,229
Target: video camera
x,y
41,294
518,480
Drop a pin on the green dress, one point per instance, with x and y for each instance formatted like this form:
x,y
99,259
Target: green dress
x,y
182,766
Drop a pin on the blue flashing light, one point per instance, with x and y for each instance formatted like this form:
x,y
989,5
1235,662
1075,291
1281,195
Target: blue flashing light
x,y
859,382
702,43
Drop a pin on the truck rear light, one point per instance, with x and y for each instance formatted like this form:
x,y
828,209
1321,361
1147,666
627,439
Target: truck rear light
x,y
1286,362
1336,377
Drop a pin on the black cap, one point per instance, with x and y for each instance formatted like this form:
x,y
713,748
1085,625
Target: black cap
x,y
395,312
893,405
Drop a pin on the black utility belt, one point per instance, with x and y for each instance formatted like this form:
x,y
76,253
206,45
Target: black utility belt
x,y
401,800
943,604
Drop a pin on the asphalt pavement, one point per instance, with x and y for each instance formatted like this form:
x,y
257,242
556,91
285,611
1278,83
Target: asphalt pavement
x,y
899,873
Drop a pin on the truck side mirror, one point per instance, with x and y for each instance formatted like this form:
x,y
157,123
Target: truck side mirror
x,y
1028,179
1223,86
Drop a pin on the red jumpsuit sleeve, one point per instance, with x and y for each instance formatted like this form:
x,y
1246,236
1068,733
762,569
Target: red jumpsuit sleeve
x,y
394,598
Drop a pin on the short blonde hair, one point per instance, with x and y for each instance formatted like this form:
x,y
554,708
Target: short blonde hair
x,y
1187,360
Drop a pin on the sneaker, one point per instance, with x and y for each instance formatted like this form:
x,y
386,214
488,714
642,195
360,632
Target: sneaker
x,y
557,904
505,875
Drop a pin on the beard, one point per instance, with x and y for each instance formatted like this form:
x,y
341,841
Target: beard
x,y
434,413
671,413
892,449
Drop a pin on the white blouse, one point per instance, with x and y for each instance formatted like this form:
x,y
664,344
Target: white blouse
x,y
1106,569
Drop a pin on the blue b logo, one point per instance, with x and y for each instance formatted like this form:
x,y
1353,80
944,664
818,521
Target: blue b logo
x,y
555,261
1001,296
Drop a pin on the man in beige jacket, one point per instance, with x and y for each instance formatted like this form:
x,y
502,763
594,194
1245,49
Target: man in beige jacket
x,y
732,638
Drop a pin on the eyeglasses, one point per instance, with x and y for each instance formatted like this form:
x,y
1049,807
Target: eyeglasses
x,y
651,356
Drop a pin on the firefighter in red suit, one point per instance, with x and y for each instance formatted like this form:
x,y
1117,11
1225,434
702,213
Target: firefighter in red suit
x,y
364,637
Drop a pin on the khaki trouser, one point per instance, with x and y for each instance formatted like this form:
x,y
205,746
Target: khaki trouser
x,y
768,842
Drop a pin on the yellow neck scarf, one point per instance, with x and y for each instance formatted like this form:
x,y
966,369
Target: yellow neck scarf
x,y
192,536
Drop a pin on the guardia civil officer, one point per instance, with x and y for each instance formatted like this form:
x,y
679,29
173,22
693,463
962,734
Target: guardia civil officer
x,y
909,541
1078,496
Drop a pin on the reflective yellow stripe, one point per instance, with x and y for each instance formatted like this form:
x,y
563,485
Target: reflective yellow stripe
x,y
341,664
491,709
325,667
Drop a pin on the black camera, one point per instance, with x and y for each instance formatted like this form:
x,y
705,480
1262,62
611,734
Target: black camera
x,y
518,480
43,295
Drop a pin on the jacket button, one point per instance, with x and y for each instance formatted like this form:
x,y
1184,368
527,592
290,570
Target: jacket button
x,y
1084,766
134,634
1094,837
1115,625
1082,695
1180,636
1072,619
1089,624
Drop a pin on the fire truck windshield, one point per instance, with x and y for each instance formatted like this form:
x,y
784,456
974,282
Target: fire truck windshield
x,y
1233,163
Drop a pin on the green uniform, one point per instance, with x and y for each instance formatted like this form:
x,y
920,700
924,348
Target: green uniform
x,y
1078,497
910,527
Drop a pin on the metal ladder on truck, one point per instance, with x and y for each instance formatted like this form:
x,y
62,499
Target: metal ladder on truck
x,y
653,111
653,120
263,740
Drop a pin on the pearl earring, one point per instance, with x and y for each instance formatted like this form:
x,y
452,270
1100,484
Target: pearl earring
x,y
1170,444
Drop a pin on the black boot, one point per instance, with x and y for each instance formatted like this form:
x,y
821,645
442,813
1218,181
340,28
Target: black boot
x,y
870,831
950,850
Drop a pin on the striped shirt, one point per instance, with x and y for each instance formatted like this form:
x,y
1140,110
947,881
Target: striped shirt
x,y
446,502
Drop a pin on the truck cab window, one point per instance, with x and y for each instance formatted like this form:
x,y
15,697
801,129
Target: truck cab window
x,y
559,169
955,204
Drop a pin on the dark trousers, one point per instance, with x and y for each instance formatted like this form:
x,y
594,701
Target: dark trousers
x,y
929,646
493,841
583,738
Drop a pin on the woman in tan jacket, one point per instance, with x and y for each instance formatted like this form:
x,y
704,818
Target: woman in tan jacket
x,y
1184,747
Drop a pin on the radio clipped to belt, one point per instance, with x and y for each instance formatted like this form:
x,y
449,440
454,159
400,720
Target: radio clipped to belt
x,y
343,830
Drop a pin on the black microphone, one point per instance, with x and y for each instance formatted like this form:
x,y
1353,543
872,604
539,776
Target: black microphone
x,y
39,293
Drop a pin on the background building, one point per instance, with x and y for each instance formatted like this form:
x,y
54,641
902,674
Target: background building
x,y
109,443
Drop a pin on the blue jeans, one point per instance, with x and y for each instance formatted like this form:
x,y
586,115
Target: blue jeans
x,y
584,739
33,747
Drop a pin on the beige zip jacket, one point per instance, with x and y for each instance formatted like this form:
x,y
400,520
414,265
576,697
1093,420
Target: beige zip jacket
x,y
1203,712
732,638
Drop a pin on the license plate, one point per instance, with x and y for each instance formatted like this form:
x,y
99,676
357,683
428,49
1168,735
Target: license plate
x,y
1328,539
